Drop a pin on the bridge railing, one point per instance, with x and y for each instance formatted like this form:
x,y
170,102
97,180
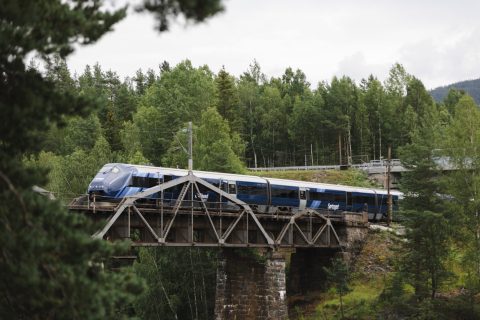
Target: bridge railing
x,y
364,166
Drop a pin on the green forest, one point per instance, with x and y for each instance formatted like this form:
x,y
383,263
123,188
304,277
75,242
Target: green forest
x,y
59,129
250,121
472,87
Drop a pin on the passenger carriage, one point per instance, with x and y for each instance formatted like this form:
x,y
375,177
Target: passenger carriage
x,y
116,181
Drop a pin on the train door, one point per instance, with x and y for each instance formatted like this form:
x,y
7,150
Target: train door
x,y
349,202
232,188
229,187
377,210
302,196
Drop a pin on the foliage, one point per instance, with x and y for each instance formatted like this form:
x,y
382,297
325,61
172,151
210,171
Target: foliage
x,y
59,129
50,267
181,283
180,95
213,148
70,175
461,148
165,11
227,98
425,264
338,275
441,211
420,183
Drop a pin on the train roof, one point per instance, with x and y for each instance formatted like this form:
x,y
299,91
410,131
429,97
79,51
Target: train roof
x,y
256,179
320,185
201,174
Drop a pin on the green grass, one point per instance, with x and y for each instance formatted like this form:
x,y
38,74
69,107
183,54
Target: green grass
x,y
357,304
367,284
351,177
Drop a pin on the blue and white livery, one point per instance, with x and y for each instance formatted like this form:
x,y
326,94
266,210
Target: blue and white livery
x,y
117,180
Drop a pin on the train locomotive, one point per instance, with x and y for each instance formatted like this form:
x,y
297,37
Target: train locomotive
x,y
117,180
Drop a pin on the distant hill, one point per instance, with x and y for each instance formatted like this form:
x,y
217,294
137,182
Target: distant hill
x,y
472,87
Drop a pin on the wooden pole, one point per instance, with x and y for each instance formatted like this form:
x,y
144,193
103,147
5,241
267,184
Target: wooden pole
x,y
340,147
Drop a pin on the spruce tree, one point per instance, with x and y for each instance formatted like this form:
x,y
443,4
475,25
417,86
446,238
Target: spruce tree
x,y
427,246
227,96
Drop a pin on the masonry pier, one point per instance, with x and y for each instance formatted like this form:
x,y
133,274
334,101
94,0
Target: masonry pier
x,y
251,284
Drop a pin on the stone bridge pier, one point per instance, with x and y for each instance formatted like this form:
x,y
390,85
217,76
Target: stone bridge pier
x,y
252,283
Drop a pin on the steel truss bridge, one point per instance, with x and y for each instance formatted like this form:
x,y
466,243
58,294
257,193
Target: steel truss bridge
x,y
190,220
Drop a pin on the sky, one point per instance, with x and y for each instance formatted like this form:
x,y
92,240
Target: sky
x,y
436,41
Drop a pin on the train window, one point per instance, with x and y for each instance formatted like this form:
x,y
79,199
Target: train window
x,y
232,188
339,197
370,200
144,182
252,189
321,196
202,188
284,193
215,183
303,195
224,186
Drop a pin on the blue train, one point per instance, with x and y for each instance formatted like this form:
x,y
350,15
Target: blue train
x,y
116,181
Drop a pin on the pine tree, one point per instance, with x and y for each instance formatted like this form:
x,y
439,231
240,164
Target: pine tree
x,y
50,267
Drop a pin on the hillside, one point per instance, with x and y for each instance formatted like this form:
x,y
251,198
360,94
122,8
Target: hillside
x,y
372,267
372,275
472,87
350,177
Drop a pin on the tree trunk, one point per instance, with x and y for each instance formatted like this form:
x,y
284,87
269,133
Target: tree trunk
x,y
341,305
194,284
379,141
251,134
349,144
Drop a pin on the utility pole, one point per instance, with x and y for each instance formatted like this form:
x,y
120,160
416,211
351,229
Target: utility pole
x,y
311,152
389,199
190,143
